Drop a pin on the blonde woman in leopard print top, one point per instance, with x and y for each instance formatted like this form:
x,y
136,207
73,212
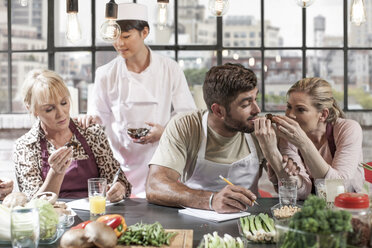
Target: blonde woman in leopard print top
x,y
56,155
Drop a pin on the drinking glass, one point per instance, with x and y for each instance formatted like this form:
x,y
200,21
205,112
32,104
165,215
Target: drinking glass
x,y
288,191
97,196
24,227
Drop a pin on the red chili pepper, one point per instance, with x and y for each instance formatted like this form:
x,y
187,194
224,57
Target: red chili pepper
x,y
81,225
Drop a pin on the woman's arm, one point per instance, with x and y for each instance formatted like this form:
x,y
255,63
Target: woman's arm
x,y
291,131
348,140
107,164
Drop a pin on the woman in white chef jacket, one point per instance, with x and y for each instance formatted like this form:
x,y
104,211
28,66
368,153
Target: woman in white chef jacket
x,y
137,86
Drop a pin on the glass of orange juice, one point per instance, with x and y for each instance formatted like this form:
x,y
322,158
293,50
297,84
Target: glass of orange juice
x,y
97,196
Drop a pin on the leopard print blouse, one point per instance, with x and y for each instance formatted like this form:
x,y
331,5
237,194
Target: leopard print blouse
x,y
28,161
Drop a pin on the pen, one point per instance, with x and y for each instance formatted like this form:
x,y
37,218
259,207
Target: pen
x,y
228,182
116,176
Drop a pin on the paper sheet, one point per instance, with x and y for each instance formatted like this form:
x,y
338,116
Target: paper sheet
x,y
83,204
212,215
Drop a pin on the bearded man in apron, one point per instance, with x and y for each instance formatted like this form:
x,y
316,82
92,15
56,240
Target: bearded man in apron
x,y
199,146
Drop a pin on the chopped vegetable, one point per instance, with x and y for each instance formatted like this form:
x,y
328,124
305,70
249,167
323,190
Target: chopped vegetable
x,y
315,218
146,235
48,217
258,228
115,221
5,223
215,241
82,225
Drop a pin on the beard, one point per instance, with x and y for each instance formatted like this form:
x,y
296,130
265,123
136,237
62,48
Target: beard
x,y
234,125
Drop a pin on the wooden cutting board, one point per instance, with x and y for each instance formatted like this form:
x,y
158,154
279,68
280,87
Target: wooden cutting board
x,y
182,240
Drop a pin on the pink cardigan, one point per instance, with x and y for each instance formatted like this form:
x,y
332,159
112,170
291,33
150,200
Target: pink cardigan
x,y
348,138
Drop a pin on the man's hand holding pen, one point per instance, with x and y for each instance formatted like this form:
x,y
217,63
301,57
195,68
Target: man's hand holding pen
x,y
232,198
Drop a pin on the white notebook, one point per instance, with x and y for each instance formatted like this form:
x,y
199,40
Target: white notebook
x,y
211,215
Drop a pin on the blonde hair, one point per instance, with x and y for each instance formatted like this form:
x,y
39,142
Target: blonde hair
x,y
42,86
321,94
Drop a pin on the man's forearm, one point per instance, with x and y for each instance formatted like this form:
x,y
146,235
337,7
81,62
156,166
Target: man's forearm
x,y
164,188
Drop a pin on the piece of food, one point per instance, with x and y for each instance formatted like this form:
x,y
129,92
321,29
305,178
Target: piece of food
x,y
146,234
136,133
215,241
51,197
285,211
48,218
100,234
74,144
258,228
75,238
61,208
270,117
81,225
15,199
115,221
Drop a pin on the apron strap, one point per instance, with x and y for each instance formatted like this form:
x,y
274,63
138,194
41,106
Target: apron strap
x,y
331,139
203,144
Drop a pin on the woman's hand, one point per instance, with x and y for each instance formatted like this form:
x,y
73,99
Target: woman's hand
x,y
85,121
265,134
116,192
60,160
6,187
154,134
290,130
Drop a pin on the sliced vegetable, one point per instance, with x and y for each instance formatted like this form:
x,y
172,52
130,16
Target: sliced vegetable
x,y
81,225
258,228
5,223
115,221
215,241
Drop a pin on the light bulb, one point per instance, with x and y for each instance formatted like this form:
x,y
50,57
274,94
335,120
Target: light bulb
x,y
110,30
162,15
251,61
73,33
304,3
218,7
357,12
23,3
278,58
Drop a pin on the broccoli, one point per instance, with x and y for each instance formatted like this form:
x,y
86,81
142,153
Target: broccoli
x,y
314,217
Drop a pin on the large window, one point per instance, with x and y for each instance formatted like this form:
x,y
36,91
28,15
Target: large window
x,y
279,40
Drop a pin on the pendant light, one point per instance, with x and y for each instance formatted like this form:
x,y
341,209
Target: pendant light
x,y
304,3
73,31
110,30
357,12
218,7
162,13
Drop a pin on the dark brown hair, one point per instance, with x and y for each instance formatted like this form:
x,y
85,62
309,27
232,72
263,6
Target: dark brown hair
x,y
321,95
126,25
224,83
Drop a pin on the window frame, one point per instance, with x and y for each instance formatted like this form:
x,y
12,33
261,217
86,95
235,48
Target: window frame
x,y
51,49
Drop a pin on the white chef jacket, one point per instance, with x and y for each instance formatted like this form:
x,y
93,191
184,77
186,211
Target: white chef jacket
x,y
121,96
